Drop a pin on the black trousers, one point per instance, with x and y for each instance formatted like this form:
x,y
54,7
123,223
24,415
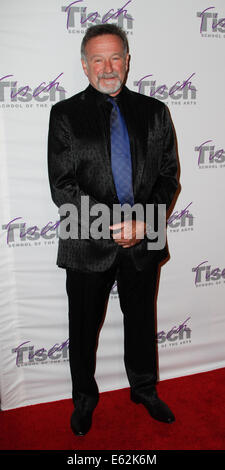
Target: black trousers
x,y
87,297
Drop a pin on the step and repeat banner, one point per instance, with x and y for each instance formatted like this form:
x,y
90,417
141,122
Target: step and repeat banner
x,y
177,56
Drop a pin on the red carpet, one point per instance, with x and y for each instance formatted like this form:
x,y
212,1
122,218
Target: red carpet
x,y
197,402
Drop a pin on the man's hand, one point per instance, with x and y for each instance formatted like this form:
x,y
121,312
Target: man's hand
x,y
128,233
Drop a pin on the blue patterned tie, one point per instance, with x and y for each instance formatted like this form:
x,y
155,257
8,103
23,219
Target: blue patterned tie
x,y
120,156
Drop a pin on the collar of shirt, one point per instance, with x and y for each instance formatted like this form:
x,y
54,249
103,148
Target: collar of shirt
x,y
101,98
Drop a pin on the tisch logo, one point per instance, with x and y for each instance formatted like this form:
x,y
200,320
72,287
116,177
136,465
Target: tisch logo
x,y
19,232
78,17
17,96
181,221
209,156
208,276
210,23
179,92
26,354
175,336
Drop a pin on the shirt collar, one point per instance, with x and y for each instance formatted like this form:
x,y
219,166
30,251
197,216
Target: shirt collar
x,y
101,98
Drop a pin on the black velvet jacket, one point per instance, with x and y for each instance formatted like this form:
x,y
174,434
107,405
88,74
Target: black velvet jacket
x,y
79,164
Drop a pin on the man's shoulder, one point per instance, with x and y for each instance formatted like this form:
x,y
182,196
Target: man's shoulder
x,y
70,103
144,100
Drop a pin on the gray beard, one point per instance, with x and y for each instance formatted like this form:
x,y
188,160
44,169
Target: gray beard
x,y
110,89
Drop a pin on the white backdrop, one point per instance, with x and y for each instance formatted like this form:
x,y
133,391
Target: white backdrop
x,y
169,42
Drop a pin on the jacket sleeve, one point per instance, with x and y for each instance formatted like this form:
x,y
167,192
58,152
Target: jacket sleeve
x,y
166,184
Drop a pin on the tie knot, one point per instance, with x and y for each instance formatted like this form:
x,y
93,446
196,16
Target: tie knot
x,y
112,101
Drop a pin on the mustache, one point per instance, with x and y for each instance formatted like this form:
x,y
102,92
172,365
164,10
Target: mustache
x,y
108,75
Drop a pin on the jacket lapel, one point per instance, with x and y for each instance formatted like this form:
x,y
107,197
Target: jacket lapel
x,y
100,120
137,129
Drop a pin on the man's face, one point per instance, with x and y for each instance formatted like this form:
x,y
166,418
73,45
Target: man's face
x,y
106,64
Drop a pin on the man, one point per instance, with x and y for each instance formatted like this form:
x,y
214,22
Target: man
x,y
114,146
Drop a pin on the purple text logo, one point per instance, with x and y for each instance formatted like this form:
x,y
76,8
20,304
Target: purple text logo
x,y
206,274
175,333
181,219
31,233
27,355
184,90
24,94
207,153
77,15
209,21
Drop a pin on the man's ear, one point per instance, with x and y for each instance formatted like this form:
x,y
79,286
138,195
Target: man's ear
x,y
84,66
127,61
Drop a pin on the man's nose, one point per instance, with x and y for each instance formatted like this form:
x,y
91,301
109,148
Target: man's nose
x,y
108,66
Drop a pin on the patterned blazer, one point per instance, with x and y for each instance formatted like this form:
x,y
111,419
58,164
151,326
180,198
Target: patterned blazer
x,y
79,165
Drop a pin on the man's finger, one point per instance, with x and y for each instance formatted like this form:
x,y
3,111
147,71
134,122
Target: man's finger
x,y
116,226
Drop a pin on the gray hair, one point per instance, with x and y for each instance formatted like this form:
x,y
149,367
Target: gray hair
x,y
101,29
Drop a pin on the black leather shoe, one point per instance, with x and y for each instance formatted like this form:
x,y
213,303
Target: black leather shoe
x,y
156,407
81,421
